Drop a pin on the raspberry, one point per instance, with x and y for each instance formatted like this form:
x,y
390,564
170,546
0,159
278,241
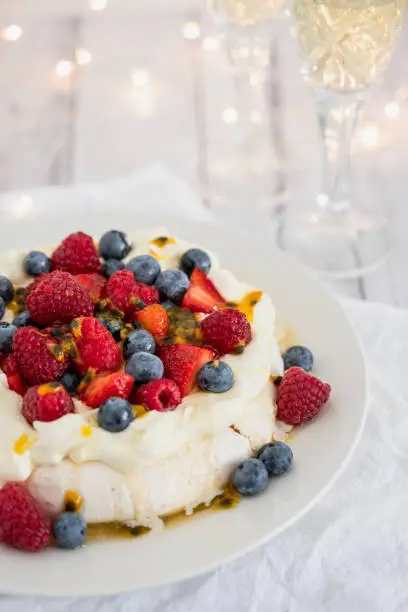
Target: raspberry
x,y
15,380
161,395
76,254
38,356
47,402
23,524
94,284
301,396
226,331
58,297
148,295
124,291
96,346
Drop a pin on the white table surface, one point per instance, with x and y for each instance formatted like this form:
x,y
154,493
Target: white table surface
x,y
93,125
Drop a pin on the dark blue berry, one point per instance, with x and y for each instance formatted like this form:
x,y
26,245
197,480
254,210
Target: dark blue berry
x,y
2,308
114,245
36,263
215,376
277,457
23,319
144,367
172,285
70,530
7,331
115,415
138,341
298,356
113,324
6,289
145,268
250,477
195,258
111,266
70,380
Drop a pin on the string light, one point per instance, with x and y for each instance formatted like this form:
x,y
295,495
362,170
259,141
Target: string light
x,y
82,57
11,33
230,115
191,30
64,68
370,136
392,110
140,77
210,43
97,5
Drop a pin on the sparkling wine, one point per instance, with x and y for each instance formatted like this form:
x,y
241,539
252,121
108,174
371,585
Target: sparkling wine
x,y
346,44
246,12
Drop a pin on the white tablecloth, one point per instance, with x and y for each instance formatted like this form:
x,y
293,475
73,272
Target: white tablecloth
x,y
350,553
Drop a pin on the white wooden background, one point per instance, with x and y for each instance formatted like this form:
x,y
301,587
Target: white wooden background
x,y
94,124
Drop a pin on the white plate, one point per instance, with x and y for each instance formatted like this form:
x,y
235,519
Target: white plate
x,y
321,449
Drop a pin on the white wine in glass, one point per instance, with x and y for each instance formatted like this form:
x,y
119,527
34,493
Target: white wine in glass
x,y
246,13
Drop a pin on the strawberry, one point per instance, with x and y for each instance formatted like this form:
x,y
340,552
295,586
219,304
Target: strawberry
x,y
106,385
96,347
202,295
38,356
15,379
155,320
124,292
301,397
76,254
94,284
182,362
47,402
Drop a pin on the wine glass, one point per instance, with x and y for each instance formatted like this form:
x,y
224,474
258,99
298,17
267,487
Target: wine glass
x,y
346,46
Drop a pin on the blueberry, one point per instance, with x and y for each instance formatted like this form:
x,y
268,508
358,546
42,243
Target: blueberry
x,y
113,324
6,289
277,457
138,341
215,376
23,319
69,530
111,266
7,331
70,380
250,477
2,308
172,285
195,258
115,415
299,356
144,367
114,245
36,263
145,268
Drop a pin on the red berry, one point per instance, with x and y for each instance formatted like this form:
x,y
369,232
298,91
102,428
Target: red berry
x,y
38,356
104,386
226,330
23,524
96,347
15,379
155,320
161,395
58,297
148,295
94,284
301,397
47,402
202,295
182,362
76,254
34,284
124,291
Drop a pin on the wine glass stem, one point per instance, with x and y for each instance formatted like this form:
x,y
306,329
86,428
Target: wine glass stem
x,y
338,115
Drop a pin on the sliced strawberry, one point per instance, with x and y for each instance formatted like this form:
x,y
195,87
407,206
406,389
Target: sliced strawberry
x,y
15,379
104,386
155,320
202,295
182,362
94,284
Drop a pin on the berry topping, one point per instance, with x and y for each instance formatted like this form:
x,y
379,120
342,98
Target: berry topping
x,y
124,292
23,319
154,319
36,263
111,266
138,341
114,245
195,258
172,285
215,376
202,296
104,386
301,397
6,289
15,380
112,323
161,395
37,356
94,284
115,415
76,254
58,297
69,530
7,332
144,367
184,326
298,356
96,347
145,268
226,330
250,477
2,307
23,524
47,402
277,457
70,380
182,363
